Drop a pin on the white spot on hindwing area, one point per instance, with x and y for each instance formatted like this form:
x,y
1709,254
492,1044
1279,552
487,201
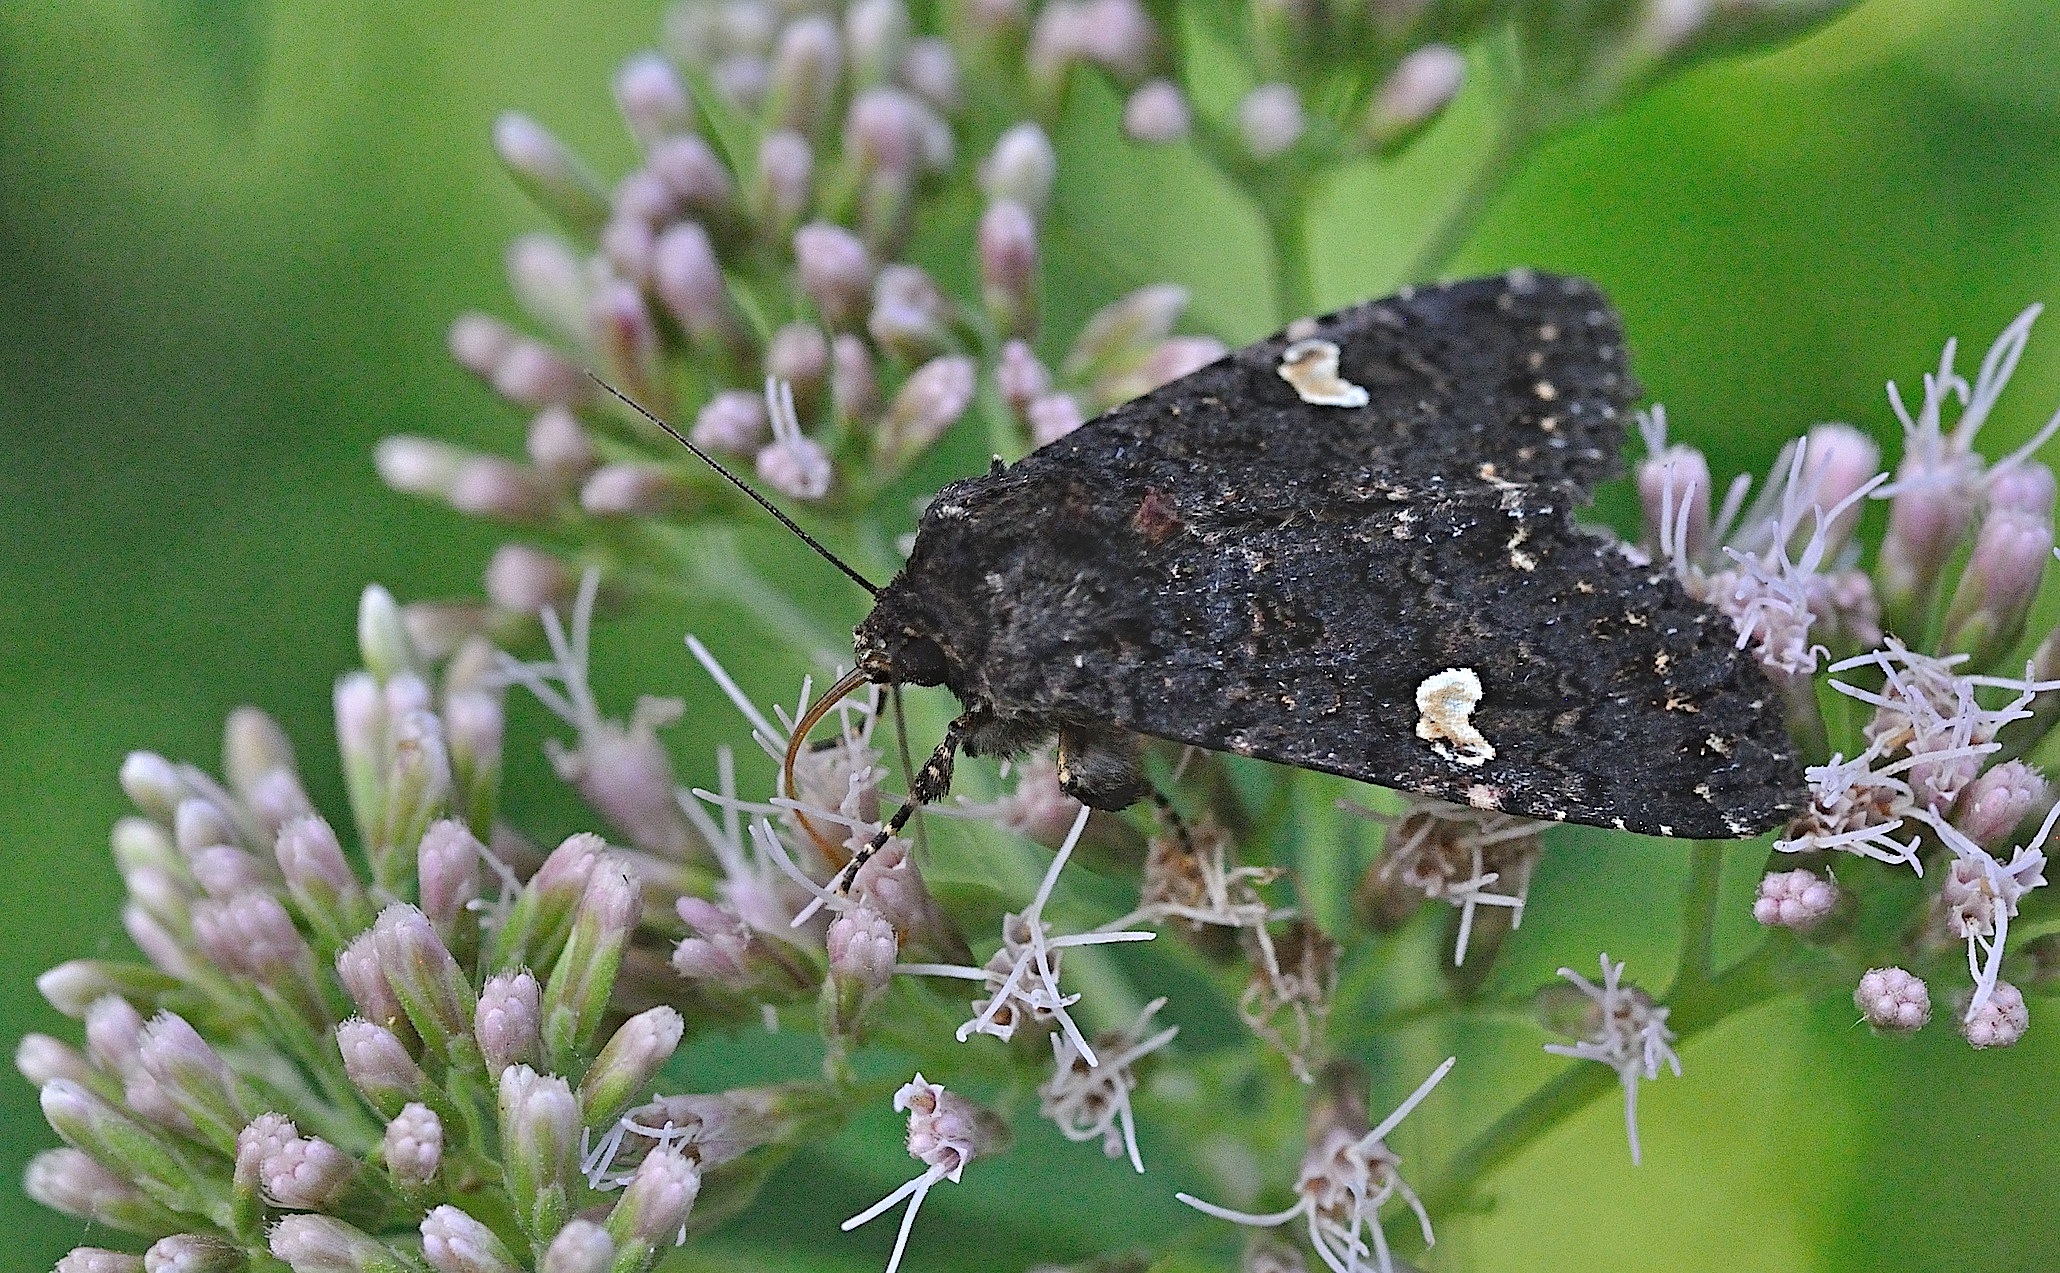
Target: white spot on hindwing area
x,y
1444,705
1311,366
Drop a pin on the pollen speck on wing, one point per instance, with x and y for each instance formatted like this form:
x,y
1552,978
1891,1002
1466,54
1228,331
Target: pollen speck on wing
x,y
1445,702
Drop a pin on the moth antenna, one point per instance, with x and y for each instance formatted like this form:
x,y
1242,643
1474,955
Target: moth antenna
x,y
740,484
845,686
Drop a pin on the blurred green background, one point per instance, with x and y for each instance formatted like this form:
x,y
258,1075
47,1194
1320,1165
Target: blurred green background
x,y
232,235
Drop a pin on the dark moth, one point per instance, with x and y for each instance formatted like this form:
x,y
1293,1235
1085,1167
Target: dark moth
x,y
1358,558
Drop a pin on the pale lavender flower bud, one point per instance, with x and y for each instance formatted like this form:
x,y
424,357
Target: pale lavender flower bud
x,y
114,1031
424,978
253,745
878,33
577,992
73,986
549,172
799,354
805,71
193,1253
322,1244
93,1259
448,866
378,1065
653,102
580,1247
383,637
796,466
1124,329
1892,1000
539,1147
1052,417
320,881
862,945
1270,120
507,1021
695,176
654,1206
277,797
525,580
890,885
743,82
892,134
206,1091
536,376
142,842
70,1181
629,243
2000,1021
1999,801
475,724
1926,521
559,446
536,927
639,1048
153,785
630,489
412,1147
910,317
199,823
265,1135
784,184
357,967
2024,487
307,1173
719,951
551,284
1115,35
454,1242
1839,460
1157,114
491,487
40,1058
480,343
854,389
1797,900
733,423
1997,588
1021,168
622,332
223,872
1169,360
931,71
159,894
1008,266
253,934
933,398
1677,478
1421,85
1020,377
836,271
627,774
689,281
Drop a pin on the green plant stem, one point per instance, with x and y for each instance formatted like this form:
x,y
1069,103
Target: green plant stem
x,y
1287,230
1463,216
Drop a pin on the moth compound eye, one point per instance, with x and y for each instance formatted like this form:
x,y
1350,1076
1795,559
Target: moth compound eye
x,y
919,661
1311,366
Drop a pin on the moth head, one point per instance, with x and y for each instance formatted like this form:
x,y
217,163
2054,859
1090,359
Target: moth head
x,y
897,645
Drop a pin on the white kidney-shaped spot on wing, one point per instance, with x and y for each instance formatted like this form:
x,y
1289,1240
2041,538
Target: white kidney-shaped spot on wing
x,y
1311,366
1445,703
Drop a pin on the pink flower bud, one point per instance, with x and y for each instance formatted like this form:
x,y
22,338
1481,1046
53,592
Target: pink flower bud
x,y
378,1065
2000,1021
525,580
1157,114
507,1021
40,1058
537,376
199,823
1797,900
1008,266
799,354
357,967
653,101
931,71
550,281
1675,484
1892,1000
836,271
1052,417
733,423
1270,120
696,176
1999,801
223,872
910,317
639,1048
306,1174
549,172
630,489
1996,590
320,1244
2024,487
625,337
1124,329
1020,377
454,1242
539,1144
878,32
689,282
412,1147
93,1259
424,978
478,342
657,1201
854,390
1021,168
252,934
933,398
1421,85
805,71
580,1247
447,864
863,947
784,184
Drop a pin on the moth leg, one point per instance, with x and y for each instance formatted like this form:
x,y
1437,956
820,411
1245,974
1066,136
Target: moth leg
x,y
1100,767
927,787
1171,817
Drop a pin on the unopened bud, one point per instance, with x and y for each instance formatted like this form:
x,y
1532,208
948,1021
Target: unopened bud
x,y
784,183
199,823
1125,329
632,489
805,71
379,1066
1157,114
2000,1021
576,994
526,580
796,466
626,338
72,1182
1675,484
1998,802
193,1253
1169,360
535,928
878,33
1996,590
1270,120
475,724
424,978
1421,85
507,1021
1008,267
550,173
931,71
910,317
307,1174
322,1244
40,1058
94,1259
854,389
639,1048
891,886
412,1147
152,784
655,1204
1020,377
697,178
1927,519
1892,1000
653,102
539,1147
733,423
1797,900
836,271
799,354
447,865
580,1247
454,1242
1052,417
550,281
933,398
689,281
1021,168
